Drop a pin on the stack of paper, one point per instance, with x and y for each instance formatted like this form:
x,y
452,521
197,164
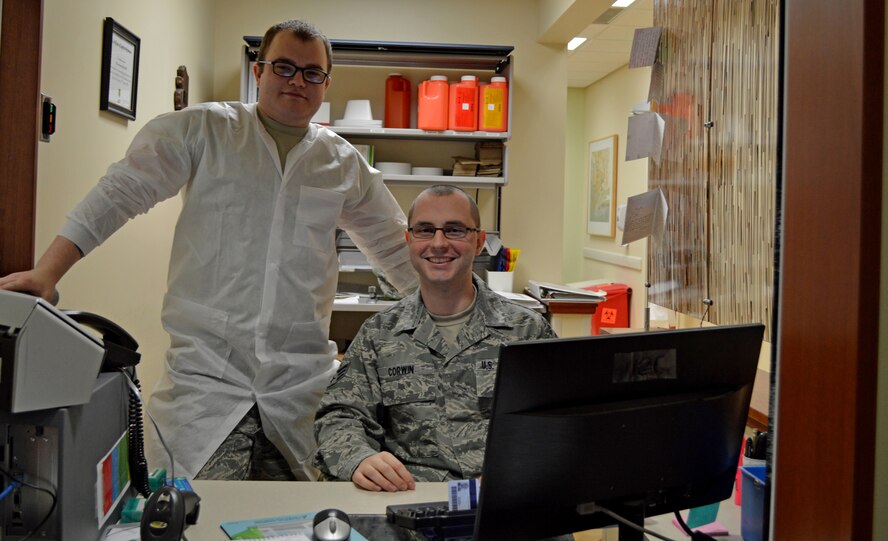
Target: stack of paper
x,y
488,161
464,167
522,299
490,158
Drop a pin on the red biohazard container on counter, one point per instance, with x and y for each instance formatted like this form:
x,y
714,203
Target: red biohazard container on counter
x,y
463,115
397,102
614,311
431,103
493,110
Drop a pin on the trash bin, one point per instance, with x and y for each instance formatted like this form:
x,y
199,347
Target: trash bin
x,y
614,311
752,509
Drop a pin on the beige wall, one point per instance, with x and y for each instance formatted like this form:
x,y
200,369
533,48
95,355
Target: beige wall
x,y
605,108
125,278
572,263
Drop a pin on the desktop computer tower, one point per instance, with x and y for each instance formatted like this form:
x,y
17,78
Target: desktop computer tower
x,y
77,453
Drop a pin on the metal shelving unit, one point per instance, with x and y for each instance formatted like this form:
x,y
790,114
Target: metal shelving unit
x,y
408,56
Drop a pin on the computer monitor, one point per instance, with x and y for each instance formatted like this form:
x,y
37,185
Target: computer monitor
x,y
640,424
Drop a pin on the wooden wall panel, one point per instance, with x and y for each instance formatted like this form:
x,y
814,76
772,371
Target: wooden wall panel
x,y
828,348
19,101
719,98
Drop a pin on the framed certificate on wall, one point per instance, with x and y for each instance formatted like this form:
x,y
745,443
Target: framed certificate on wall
x,y
120,70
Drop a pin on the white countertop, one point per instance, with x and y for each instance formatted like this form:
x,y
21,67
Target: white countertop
x,y
359,304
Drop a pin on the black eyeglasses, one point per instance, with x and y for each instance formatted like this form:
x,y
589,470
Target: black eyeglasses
x,y
426,232
314,76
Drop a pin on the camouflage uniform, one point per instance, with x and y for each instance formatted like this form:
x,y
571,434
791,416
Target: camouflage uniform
x,y
402,389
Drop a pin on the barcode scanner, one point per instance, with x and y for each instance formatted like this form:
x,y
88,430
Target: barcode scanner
x,y
167,513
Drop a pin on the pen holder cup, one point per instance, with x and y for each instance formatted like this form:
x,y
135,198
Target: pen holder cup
x,y
752,509
500,280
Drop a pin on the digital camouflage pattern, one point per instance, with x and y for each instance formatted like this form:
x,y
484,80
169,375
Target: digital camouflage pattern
x,y
247,454
402,389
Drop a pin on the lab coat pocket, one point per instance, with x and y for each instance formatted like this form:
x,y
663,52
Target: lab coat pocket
x,y
308,337
316,215
197,343
412,413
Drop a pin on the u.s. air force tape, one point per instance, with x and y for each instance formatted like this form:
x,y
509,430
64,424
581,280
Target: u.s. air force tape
x,y
463,494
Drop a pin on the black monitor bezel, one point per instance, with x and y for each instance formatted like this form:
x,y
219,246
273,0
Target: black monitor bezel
x,y
557,414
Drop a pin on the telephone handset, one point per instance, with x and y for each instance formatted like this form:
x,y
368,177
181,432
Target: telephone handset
x,y
120,353
120,346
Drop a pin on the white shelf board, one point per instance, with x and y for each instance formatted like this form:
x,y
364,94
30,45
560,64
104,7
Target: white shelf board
x,y
422,180
410,133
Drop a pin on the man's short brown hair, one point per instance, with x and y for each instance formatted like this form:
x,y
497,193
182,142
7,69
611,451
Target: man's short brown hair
x,y
303,30
440,190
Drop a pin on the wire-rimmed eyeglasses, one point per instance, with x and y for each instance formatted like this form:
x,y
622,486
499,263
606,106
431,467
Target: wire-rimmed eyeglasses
x,y
428,231
285,69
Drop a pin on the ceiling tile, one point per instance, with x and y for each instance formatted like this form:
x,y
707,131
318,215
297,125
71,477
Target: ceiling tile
x,y
608,46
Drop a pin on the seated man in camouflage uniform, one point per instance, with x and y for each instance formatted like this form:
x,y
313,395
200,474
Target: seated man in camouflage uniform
x,y
411,401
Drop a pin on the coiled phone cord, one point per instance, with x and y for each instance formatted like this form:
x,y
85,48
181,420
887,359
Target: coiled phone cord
x,y
138,463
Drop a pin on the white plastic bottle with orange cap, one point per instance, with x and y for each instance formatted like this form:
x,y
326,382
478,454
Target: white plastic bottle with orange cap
x,y
493,112
432,97
463,115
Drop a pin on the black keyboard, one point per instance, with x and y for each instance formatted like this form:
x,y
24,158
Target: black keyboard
x,y
432,517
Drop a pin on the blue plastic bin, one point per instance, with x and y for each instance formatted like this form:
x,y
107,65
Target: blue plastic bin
x,y
752,508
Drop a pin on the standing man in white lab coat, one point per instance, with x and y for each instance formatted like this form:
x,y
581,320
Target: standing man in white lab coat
x,y
253,268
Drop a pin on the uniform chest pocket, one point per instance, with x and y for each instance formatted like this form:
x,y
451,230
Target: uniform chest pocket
x,y
485,379
316,214
411,412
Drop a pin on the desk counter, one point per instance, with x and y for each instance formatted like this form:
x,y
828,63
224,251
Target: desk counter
x,y
243,500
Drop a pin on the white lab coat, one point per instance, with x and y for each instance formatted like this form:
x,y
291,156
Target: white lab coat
x,y
253,269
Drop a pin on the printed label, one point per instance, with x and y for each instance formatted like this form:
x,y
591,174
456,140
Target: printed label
x,y
463,494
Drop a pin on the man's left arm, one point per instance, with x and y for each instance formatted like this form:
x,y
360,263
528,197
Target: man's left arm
x,y
346,427
377,225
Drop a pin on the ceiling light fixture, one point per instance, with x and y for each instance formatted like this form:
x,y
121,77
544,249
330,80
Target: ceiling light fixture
x,y
622,3
574,43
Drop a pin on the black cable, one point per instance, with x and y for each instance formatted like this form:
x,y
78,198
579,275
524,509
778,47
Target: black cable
x,y
51,507
626,522
695,535
135,439
163,443
683,524
8,490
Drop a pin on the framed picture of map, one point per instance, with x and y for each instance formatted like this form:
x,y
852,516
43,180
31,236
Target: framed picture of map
x,y
602,186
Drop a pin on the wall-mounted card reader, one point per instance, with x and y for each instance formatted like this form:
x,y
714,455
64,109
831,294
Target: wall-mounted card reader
x,y
47,118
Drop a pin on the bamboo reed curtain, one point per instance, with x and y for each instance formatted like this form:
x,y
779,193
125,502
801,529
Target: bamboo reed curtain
x,y
719,71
